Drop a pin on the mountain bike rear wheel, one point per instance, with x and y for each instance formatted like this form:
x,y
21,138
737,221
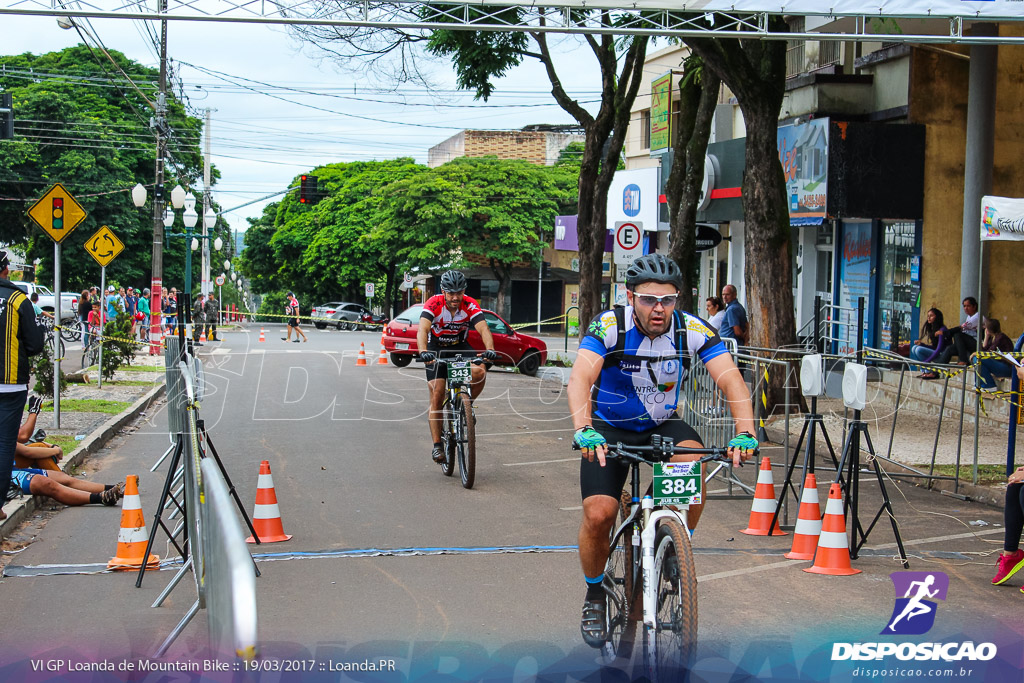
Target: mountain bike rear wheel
x,y
91,356
70,330
466,441
669,647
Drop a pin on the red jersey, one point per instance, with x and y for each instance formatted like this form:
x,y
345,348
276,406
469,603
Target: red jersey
x,y
446,328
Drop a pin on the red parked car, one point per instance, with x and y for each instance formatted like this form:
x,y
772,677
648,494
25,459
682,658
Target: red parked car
x,y
514,348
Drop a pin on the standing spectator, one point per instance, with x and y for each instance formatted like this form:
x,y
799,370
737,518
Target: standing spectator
x,y
291,309
932,341
734,322
131,305
96,321
212,312
171,310
113,301
989,368
144,314
716,311
1011,560
22,337
84,306
198,317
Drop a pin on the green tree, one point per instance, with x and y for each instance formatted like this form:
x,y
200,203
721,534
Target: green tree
x,y
481,56
78,125
496,209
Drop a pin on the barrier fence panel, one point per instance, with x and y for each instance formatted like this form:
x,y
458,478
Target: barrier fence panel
x,y
231,611
175,388
193,479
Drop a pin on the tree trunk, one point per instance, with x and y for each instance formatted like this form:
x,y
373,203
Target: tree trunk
x,y
503,274
682,190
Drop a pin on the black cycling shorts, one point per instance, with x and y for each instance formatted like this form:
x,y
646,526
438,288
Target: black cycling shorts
x,y
609,480
293,322
439,369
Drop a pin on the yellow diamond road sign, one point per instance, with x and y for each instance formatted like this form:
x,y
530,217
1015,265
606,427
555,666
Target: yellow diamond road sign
x,y
104,246
57,213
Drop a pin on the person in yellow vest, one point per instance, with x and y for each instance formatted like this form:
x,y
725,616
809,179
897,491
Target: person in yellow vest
x,y
20,337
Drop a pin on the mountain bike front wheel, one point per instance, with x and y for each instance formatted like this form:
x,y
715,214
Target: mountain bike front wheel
x,y
670,645
466,441
70,330
621,581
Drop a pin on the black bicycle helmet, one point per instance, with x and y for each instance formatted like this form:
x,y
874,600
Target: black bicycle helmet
x,y
453,281
654,268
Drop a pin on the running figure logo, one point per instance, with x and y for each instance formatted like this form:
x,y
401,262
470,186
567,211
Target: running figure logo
x,y
914,612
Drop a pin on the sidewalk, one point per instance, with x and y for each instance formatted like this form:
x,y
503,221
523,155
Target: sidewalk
x,y
92,430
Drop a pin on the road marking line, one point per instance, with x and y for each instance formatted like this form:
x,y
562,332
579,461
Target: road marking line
x,y
748,570
938,539
258,351
220,352
537,462
570,509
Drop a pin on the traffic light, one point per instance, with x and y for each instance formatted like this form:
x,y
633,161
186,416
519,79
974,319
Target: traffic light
x,y
6,116
308,193
545,270
58,213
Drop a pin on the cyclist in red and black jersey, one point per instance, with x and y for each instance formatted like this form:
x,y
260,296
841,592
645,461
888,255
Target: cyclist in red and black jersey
x,y
444,326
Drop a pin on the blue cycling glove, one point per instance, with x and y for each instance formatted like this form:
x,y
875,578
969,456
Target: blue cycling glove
x,y
588,438
744,441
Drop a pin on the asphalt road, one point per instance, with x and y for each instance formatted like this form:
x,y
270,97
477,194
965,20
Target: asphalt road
x,y
349,450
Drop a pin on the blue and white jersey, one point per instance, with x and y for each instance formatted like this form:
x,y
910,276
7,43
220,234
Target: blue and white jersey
x,y
639,391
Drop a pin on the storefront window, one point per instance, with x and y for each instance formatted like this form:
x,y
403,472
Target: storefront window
x,y
824,246
898,286
489,294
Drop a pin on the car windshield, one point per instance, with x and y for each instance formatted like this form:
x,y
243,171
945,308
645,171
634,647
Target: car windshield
x,y
410,314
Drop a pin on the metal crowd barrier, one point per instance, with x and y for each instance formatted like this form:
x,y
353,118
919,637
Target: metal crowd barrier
x,y
231,613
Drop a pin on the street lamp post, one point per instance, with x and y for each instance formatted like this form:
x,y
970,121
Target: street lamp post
x,y
160,221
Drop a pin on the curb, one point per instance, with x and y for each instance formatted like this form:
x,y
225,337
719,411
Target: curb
x,y
18,510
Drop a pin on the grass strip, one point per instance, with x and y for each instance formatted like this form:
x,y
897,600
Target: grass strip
x,y
987,474
88,405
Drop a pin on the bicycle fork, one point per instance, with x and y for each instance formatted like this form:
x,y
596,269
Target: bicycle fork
x,y
648,537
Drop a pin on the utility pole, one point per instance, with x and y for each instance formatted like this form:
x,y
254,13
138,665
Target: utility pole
x,y
206,287
159,199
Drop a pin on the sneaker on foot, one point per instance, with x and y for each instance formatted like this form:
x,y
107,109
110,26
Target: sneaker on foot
x,y
593,625
437,454
112,495
1007,566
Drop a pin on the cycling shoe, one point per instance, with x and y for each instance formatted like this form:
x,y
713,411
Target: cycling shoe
x,y
593,625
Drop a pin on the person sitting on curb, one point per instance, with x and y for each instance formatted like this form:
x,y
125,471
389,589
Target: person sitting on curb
x,y
929,346
1011,560
64,488
990,368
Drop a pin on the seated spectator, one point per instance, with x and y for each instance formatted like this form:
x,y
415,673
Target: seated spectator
x,y
990,368
716,311
962,341
64,488
929,346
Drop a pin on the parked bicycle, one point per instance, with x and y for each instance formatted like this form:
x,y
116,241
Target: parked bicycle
x,y
49,335
91,353
650,575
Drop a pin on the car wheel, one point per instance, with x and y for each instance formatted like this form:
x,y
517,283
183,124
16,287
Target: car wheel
x,y
529,363
320,326
400,360
341,325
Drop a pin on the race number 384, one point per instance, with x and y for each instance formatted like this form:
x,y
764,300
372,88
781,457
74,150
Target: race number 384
x,y
677,483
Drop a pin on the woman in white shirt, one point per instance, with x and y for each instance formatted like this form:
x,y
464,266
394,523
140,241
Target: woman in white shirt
x,y
716,311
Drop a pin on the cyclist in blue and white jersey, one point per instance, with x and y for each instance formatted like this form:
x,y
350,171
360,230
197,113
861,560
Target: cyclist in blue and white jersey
x,y
624,387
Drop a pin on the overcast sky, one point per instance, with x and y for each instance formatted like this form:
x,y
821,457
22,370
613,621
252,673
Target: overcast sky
x,y
264,133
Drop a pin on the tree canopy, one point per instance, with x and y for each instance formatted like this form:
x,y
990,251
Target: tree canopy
x,y
78,124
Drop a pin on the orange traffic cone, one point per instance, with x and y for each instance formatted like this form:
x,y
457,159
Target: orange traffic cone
x,y
808,522
362,355
763,508
132,537
833,556
263,335
266,516
202,335
383,360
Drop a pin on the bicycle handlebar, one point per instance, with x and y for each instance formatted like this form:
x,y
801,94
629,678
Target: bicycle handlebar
x,y
662,447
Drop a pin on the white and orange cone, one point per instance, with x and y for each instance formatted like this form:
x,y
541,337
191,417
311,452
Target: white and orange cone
x,y
763,508
383,359
362,355
132,537
808,522
266,516
202,335
833,556
263,335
